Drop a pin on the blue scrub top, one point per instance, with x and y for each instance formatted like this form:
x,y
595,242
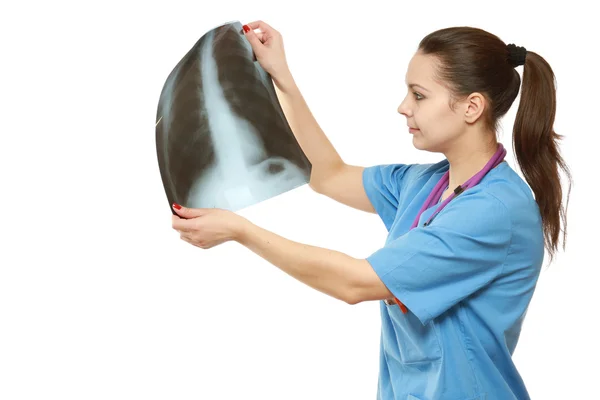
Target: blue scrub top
x,y
466,279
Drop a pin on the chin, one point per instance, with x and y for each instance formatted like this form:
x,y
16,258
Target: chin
x,y
420,144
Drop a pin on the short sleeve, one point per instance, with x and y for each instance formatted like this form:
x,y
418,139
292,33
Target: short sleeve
x,y
382,184
430,269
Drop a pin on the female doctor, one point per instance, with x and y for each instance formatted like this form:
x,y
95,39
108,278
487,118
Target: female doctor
x,y
466,235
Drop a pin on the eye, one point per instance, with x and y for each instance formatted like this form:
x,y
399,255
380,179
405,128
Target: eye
x,y
418,96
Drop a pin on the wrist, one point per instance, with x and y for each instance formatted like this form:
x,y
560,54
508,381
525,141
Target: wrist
x,y
284,81
241,232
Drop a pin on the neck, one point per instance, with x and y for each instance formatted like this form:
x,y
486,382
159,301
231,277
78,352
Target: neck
x,y
466,161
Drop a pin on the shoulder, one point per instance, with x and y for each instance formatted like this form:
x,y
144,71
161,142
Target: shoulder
x,y
502,187
502,202
476,210
509,189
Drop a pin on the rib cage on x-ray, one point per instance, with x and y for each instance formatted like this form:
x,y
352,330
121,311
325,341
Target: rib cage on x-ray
x,y
222,138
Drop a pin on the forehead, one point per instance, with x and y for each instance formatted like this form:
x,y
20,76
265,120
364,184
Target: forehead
x,y
421,71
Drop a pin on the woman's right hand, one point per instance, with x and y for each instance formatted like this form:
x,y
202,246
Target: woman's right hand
x,y
268,49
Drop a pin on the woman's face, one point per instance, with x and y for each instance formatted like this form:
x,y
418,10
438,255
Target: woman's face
x,y
427,108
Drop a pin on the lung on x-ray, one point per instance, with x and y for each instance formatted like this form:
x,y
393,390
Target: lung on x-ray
x,y
222,138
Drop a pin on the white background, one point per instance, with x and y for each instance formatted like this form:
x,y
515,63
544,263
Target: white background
x,y
100,299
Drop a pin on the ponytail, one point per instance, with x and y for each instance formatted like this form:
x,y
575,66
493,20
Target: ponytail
x,y
536,148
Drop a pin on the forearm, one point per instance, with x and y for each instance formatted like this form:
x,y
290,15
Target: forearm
x,y
328,271
311,138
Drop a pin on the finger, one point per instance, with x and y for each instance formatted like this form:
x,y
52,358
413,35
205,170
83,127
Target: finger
x,y
261,36
263,26
191,241
254,40
183,225
174,221
186,239
186,212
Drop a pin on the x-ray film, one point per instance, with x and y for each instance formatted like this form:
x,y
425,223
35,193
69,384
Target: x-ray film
x,y
222,138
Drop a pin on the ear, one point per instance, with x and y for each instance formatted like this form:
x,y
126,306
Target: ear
x,y
475,105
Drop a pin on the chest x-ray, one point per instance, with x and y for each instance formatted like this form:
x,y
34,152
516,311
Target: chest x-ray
x,y
221,136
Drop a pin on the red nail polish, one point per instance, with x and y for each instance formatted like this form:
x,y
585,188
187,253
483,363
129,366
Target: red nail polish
x,y
177,206
246,28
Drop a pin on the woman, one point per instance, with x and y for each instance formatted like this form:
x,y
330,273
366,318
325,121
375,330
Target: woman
x,y
466,235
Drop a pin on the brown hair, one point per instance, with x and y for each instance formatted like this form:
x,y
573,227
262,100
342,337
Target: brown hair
x,y
473,60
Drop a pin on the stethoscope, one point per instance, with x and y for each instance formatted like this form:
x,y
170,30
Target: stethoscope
x,y
437,191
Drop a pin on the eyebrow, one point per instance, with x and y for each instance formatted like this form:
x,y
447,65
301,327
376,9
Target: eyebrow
x,y
413,85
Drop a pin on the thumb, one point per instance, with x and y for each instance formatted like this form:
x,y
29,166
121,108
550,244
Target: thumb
x,y
185,212
253,39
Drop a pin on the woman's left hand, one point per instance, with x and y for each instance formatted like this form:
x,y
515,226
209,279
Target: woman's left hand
x,y
207,227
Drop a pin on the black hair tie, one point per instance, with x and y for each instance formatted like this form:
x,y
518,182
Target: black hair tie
x,y
516,55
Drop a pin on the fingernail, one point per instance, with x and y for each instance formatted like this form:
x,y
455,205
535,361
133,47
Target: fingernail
x,y
177,206
246,28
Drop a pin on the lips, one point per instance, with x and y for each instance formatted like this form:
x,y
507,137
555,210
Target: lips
x,y
412,130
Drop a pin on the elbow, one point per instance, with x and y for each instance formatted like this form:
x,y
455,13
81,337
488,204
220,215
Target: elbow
x,y
354,293
349,298
354,298
353,301
366,285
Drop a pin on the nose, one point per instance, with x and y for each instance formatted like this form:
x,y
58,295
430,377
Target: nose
x,y
404,109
